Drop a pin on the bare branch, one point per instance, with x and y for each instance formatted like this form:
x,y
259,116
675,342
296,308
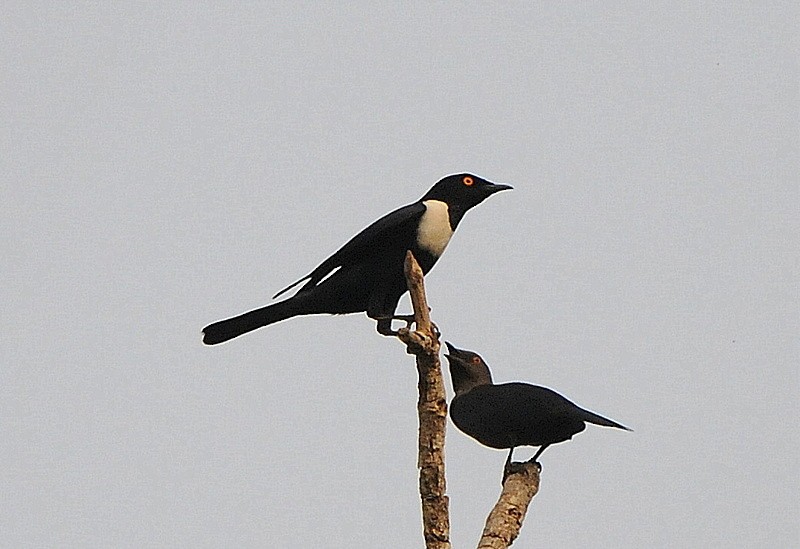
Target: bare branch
x,y
505,520
432,410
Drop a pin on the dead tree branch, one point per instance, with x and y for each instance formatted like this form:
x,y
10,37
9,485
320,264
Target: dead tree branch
x,y
505,521
423,342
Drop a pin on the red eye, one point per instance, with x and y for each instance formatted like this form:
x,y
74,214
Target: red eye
x,y
476,360
468,181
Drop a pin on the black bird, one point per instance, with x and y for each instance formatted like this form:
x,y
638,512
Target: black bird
x,y
511,414
366,274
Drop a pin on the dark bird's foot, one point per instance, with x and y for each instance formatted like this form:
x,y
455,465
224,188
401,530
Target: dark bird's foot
x,y
518,467
511,468
537,463
385,323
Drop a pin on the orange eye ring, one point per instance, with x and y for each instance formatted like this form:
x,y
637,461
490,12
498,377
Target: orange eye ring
x,y
468,181
476,360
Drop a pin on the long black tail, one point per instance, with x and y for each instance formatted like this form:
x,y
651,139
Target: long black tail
x,y
591,417
224,330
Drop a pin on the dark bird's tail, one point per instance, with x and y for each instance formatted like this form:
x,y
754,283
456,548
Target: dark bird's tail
x,y
591,417
224,330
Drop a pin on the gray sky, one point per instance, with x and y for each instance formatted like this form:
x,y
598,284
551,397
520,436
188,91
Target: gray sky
x,y
165,167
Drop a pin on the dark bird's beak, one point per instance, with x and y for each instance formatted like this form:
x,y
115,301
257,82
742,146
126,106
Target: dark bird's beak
x,y
497,187
455,353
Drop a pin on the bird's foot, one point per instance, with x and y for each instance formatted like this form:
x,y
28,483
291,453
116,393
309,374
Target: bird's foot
x,y
385,323
514,467
408,319
387,331
537,463
510,468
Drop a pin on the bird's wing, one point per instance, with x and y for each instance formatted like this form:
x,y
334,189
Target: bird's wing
x,y
515,405
364,242
537,401
536,396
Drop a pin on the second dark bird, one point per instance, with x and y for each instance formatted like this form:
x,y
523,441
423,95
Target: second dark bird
x,y
508,415
366,274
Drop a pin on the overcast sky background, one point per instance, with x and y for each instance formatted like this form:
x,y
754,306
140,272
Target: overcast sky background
x,y
167,166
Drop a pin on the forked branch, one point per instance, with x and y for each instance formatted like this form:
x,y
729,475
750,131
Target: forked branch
x,y
423,342
522,482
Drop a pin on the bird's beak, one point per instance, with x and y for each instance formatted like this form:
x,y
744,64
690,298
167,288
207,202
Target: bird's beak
x,y
497,187
454,351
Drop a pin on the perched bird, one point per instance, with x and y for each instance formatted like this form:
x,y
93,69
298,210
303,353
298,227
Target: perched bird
x,y
511,414
366,274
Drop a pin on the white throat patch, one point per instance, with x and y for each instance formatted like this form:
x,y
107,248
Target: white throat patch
x,y
434,230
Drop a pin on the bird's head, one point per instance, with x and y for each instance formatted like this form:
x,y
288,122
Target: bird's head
x,y
463,191
467,369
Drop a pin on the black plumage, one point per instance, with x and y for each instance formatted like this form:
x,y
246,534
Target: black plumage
x,y
508,415
366,274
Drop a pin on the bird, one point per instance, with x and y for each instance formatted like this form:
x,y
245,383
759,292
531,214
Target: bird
x,y
366,274
508,415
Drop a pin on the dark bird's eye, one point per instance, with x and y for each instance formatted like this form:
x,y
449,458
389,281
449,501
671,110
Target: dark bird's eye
x,y
468,181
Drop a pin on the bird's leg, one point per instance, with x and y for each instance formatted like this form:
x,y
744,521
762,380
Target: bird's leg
x,y
385,323
408,319
507,467
538,453
385,326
